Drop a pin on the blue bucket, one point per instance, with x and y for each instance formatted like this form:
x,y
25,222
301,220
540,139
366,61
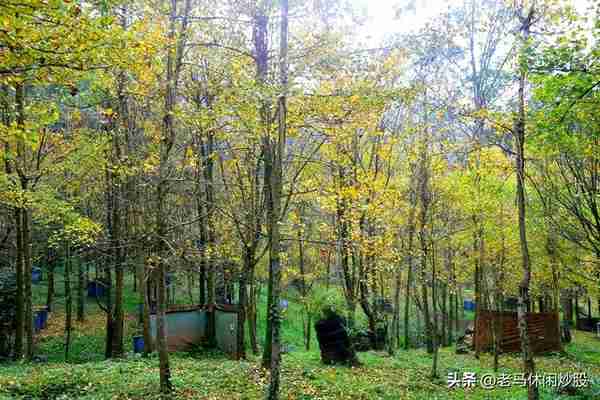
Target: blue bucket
x,y
36,275
38,321
43,315
469,305
138,344
95,289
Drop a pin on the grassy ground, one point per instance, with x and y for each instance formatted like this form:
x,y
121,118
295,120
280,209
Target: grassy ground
x,y
210,375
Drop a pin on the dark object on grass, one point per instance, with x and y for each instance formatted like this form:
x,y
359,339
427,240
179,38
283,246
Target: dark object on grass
x,y
568,390
365,340
40,359
334,341
379,338
461,345
361,341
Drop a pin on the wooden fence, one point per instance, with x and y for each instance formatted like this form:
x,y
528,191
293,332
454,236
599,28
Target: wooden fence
x,y
544,331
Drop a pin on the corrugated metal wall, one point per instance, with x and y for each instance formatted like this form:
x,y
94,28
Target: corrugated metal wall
x,y
186,328
226,327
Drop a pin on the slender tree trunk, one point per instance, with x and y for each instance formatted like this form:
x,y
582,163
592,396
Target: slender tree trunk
x,y
409,273
68,301
80,292
444,313
477,278
51,290
172,67
524,300
422,218
27,281
211,282
108,349
25,228
20,317
260,39
304,289
395,334
254,293
435,333
275,204
243,304
166,144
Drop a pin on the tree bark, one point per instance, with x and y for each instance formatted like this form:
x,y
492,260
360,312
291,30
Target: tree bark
x,y
410,269
20,316
524,300
68,301
276,179
80,292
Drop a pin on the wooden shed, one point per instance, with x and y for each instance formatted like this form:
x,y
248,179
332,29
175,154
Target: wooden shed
x,y
544,331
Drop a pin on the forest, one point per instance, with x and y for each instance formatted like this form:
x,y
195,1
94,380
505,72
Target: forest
x,y
299,199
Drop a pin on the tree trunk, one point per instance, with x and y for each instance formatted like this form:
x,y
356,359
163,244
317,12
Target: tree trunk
x,y
524,300
166,144
243,305
144,286
168,134
24,221
254,293
51,290
409,274
68,301
275,205
80,292
108,349
20,316
434,328
27,281
395,334
260,40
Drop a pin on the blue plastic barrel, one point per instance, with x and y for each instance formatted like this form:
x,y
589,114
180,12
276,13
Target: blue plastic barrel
x,y
469,305
43,314
138,344
37,321
36,275
95,289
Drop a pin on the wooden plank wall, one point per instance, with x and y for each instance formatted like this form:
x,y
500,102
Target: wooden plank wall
x,y
543,331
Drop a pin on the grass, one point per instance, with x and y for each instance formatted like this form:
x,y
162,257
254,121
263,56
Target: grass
x,y
210,375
